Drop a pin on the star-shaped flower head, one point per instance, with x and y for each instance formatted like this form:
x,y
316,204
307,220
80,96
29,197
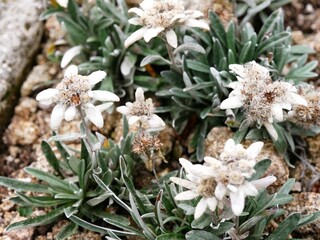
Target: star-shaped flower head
x,y
161,16
142,111
75,93
200,182
221,179
233,170
262,99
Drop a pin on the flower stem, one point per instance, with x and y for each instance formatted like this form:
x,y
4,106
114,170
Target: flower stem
x,y
86,129
171,57
90,145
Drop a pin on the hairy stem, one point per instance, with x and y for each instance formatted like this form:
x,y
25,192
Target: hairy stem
x,y
171,57
88,142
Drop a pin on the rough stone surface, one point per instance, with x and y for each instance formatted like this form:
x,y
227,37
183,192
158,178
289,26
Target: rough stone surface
x,y
216,139
306,203
85,235
39,74
307,170
22,131
303,15
20,37
278,167
314,151
22,138
21,234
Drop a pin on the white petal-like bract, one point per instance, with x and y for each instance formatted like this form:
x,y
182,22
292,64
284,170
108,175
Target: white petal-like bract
x,y
47,95
137,35
137,11
200,208
171,37
277,112
249,189
96,77
212,203
123,110
63,3
72,70
70,113
237,201
220,191
94,115
103,96
271,130
139,94
57,116
232,102
133,119
151,33
182,182
187,195
263,183
69,55
197,24
254,149
104,106
156,124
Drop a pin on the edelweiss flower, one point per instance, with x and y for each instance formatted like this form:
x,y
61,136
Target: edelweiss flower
x,y
142,111
262,99
233,170
221,178
157,16
200,183
74,93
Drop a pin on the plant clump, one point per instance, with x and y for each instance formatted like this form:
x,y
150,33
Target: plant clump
x,y
203,72
263,100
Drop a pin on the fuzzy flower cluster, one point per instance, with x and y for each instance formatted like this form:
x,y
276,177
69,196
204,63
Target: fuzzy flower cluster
x,y
161,16
223,178
73,94
141,114
309,115
262,99
148,147
141,111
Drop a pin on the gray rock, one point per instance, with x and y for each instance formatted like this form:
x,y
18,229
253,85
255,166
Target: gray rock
x,y
20,37
38,75
306,203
